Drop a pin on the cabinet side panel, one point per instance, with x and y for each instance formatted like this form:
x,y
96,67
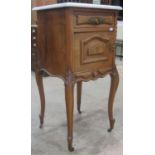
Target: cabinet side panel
x,y
52,41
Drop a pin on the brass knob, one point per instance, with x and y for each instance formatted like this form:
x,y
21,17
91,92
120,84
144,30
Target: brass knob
x,y
111,29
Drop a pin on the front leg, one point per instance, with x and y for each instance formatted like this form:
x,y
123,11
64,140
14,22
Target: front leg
x,y
69,87
114,84
39,81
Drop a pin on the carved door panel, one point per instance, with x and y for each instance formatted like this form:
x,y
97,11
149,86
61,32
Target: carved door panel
x,y
93,50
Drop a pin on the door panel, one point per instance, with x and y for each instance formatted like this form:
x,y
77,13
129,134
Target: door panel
x,y
93,51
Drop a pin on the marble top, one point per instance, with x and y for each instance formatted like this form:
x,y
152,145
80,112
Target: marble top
x,y
78,5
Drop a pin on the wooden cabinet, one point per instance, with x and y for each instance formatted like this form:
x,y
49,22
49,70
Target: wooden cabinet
x,y
76,43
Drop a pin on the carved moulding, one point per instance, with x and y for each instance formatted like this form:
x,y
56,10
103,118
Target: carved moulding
x,y
87,76
42,70
72,78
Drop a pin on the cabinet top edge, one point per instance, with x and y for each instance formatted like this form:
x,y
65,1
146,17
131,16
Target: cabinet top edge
x,y
78,5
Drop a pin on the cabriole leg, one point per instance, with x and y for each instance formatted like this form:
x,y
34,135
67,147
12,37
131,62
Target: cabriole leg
x,y
114,84
69,109
39,81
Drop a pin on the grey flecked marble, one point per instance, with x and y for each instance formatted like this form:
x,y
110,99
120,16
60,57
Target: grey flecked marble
x,y
90,128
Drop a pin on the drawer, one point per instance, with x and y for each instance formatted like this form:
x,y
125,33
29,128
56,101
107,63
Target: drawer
x,y
105,20
93,50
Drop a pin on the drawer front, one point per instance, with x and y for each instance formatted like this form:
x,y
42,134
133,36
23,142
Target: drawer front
x,y
95,20
93,51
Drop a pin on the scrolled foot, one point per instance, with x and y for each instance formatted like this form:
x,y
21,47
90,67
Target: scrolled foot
x,y
112,122
70,148
79,111
110,129
70,144
41,121
41,126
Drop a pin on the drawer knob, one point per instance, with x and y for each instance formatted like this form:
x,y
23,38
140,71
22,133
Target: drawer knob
x,y
111,29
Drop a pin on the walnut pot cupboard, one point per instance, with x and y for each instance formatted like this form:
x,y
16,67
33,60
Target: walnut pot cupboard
x,y
76,44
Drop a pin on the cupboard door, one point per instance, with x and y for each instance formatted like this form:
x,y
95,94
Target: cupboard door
x,y
93,50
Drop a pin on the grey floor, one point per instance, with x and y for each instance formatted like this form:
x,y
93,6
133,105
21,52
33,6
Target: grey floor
x,y
90,128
